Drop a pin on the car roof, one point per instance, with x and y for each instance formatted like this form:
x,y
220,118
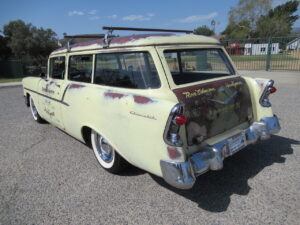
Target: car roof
x,y
140,40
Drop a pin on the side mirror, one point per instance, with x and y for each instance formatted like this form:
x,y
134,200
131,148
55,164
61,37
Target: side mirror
x,y
43,75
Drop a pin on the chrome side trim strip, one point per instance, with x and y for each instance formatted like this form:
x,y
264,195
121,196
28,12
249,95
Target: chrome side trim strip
x,y
60,101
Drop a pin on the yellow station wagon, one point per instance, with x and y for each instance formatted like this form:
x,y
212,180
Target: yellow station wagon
x,y
171,104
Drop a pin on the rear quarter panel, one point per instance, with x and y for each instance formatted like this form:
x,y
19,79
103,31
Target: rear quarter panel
x,y
133,121
256,87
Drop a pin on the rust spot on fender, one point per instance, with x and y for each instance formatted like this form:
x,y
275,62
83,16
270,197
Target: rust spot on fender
x,y
142,99
75,86
114,95
173,152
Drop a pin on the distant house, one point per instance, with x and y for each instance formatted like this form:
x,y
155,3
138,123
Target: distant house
x,y
294,44
260,49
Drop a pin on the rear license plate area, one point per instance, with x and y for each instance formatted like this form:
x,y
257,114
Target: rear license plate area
x,y
236,143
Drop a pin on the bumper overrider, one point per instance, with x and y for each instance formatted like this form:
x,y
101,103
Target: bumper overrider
x,y
183,175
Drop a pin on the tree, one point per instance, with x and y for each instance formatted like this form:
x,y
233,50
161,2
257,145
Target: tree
x,y
28,41
18,37
5,51
279,21
243,18
204,30
42,44
240,30
249,10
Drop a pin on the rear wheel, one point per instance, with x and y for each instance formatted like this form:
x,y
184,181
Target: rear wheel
x,y
34,111
106,155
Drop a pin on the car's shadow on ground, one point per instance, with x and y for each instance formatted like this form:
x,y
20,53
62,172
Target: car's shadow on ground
x,y
212,190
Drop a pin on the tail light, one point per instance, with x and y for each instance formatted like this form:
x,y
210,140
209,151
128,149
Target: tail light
x,y
175,120
269,89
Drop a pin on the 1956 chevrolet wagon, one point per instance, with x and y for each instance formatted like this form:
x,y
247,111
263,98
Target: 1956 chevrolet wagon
x,y
171,104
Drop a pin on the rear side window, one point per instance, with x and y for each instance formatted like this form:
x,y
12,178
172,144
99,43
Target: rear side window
x,y
57,67
187,66
128,70
80,68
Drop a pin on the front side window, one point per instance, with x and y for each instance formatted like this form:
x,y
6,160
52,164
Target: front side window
x,y
80,68
57,67
128,70
187,66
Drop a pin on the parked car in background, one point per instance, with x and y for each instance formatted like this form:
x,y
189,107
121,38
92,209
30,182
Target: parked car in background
x,y
173,105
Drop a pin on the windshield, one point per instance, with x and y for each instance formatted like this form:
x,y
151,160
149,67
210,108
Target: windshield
x,y
187,66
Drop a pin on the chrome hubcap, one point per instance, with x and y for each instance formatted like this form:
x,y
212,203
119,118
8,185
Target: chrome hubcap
x,y
104,149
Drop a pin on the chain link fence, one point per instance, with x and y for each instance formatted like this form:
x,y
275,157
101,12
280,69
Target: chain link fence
x,y
274,53
21,68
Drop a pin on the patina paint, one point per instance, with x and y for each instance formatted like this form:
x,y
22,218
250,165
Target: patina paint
x,y
142,99
116,40
114,95
214,107
127,39
76,86
173,153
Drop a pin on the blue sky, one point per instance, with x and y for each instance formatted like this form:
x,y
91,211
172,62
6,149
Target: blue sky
x,y
88,16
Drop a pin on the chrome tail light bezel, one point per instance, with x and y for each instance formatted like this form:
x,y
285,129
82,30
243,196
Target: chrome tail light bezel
x,y
264,98
172,138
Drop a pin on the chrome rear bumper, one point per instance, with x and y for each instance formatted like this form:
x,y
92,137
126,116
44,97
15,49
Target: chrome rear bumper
x,y
182,175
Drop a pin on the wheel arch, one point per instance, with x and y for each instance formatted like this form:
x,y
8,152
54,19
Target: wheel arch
x,y
86,131
86,135
27,99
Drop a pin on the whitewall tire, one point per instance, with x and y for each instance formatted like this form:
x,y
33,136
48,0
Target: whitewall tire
x,y
36,116
106,155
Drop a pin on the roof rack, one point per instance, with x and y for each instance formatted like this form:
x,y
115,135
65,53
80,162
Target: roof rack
x,y
84,36
146,29
111,29
71,37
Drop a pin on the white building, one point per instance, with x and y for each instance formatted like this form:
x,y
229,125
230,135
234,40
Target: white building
x,y
260,49
294,44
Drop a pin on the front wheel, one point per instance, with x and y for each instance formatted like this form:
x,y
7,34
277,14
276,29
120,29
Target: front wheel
x,y
106,155
36,116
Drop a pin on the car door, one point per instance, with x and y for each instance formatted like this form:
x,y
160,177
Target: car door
x,y
55,88
43,100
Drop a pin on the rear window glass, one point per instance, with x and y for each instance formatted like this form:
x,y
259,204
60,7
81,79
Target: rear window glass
x,y
187,66
127,70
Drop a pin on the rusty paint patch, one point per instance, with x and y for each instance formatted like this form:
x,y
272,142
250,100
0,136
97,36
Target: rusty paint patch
x,y
114,95
142,99
75,86
173,152
126,39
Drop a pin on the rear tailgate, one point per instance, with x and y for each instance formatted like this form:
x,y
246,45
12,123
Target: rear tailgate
x,y
214,107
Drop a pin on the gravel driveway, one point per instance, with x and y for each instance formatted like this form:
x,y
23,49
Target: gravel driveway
x,y
47,177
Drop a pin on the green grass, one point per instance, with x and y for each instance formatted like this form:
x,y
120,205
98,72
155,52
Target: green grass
x,y
7,80
248,58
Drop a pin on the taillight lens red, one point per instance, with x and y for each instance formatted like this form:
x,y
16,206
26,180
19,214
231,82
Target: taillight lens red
x,y
180,120
272,89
